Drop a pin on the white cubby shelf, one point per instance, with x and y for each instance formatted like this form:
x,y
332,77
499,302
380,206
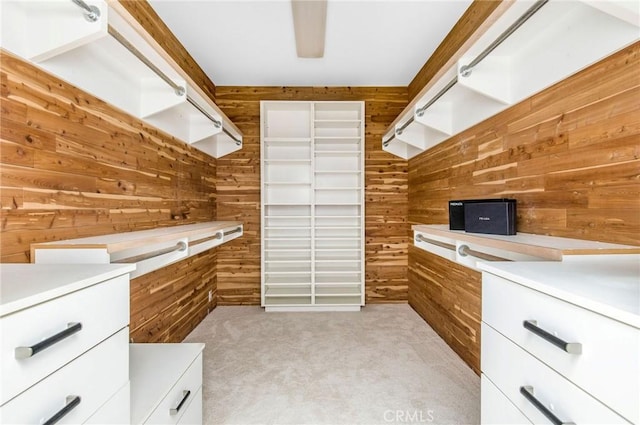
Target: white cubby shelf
x,y
559,39
114,59
312,253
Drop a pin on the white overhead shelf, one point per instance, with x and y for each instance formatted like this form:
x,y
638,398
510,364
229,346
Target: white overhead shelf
x,y
530,47
105,54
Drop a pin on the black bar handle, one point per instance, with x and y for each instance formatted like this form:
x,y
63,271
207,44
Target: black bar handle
x,y
527,392
569,347
185,396
72,402
26,352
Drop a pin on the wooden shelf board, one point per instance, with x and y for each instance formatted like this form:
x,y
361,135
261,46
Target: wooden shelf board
x,y
549,247
121,241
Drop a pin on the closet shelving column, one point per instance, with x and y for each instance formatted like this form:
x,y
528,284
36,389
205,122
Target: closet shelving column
x,y
338,204
287,196
312,205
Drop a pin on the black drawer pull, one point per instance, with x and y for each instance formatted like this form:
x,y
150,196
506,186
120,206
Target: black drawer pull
x,y
175,410
26,352
72,402
569,347
527,392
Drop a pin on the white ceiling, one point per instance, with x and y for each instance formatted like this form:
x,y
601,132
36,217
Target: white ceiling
x,y
368,42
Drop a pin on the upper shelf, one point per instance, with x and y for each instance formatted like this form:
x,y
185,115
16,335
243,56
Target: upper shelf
x,y
109,55
148,249
529,47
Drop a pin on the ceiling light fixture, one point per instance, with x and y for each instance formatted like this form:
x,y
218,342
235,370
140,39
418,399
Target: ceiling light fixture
x,y
309,24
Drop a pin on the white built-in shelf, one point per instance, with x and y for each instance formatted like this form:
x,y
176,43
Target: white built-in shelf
x,y
287,183
324,166
338,171
519,247
287,203
288,291
337,124
326,280
337,204
288,140
287,160
565,36
336,153
55,36
338,227
287,227
147,249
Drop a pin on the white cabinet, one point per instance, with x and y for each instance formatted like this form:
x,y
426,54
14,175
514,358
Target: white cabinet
x,y
528,47
563,339
166,383
114,59
64,342
312,205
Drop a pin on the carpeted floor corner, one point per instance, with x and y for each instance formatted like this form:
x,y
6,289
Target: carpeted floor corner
x,y
383,365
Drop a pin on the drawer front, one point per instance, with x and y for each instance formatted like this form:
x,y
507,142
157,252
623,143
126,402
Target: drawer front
x,y
190,381
193,415
115,411
94,377
609,365
510,368
102,310
496,409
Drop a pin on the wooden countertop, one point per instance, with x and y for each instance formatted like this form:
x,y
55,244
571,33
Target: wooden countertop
x,y
548,247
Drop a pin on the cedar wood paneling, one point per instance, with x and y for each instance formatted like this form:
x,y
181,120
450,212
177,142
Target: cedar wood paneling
x,y
570,155
238,185
73,166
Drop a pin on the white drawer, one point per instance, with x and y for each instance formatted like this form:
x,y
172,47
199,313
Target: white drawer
x,y
510,368
193,414
101,309
94,377
115,411
609,365
496,409
177,401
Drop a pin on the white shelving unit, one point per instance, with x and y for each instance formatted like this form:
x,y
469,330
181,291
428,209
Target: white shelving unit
x,y
312,205
105,55
558,39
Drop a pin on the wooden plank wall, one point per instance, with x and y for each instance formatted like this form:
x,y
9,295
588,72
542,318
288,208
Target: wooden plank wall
x,y
447,296
73,166
238,186
570,155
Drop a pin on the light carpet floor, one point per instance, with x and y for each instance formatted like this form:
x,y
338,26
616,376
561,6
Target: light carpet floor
x,y
379,366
